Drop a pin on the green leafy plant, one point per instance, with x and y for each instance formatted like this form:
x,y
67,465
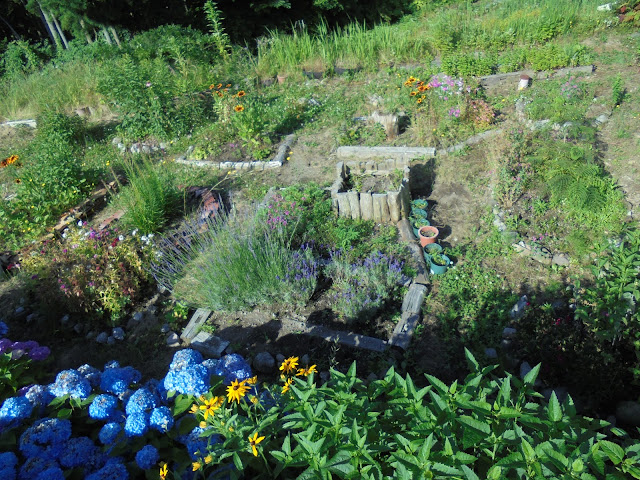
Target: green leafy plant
x,y
617,90
216,29
150,197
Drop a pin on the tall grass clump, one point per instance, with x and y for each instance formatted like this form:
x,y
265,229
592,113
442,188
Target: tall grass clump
x,y
231,263
150,197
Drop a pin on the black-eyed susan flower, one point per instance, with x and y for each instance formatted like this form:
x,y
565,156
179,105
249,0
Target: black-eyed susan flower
x,y
413,93
289,365
163,472
306,371
419,100
239,108
287,384
210,406
411,79
253,441
237,390
241,93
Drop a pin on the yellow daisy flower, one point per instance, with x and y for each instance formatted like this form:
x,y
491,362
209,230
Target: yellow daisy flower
x,y
289,365
253,441
236,391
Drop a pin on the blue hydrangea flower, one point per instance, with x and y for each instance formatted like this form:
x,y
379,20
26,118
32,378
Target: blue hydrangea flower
x,y
157,388
4,329
116,380
39,395
196,445
103,407
184,358
161,419
109,432
112,364
109,472
72,383
45,438
233,367
136,424
141,401
77,452
8,462
191,380
147,457
90,373
210,364
34,466
51,473
14,410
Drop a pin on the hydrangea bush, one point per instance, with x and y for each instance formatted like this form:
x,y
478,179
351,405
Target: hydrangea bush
x,y
483,427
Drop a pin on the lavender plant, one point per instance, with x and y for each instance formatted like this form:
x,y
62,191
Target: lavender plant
x,y
363,286
231,253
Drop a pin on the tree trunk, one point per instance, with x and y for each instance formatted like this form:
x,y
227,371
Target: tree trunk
x,y
52,30
84,30
60,32
106,36
15,34
115,36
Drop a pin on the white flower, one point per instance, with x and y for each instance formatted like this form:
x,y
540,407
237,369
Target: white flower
x,y
121,238
144,238
64,234
150,236
134,233
80,223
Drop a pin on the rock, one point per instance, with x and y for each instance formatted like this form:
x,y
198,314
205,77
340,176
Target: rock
x,y
173,340
146,149
163,146
490,353
279,359
264,362
135,148
19,310
122,147
118,333
304,360
78,328
31,317
521,247
111,340
607,7
190,150
561,259
209,344
517,311
138,316
628,412
509,332
102,337
65,319
604,118
506,344
324,377
90,335
152,309
116,140
165,328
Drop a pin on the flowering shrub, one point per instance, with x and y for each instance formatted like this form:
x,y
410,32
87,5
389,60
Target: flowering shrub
x,y
15,362
9,161
362,287
99,273
295,429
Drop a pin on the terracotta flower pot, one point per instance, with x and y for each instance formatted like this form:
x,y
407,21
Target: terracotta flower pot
x,y
428,235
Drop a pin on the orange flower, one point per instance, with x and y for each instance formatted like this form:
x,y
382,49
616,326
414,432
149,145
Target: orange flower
x,y
411,79
220,94
219,86
407,83
413,93
422,88
18,180
239,108
211,87
228,85
241,93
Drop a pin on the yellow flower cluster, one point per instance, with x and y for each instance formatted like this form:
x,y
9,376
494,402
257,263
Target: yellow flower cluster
x,y
290,367
9,161
418,88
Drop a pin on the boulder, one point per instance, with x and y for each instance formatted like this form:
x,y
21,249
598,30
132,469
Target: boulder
x,y
264,362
